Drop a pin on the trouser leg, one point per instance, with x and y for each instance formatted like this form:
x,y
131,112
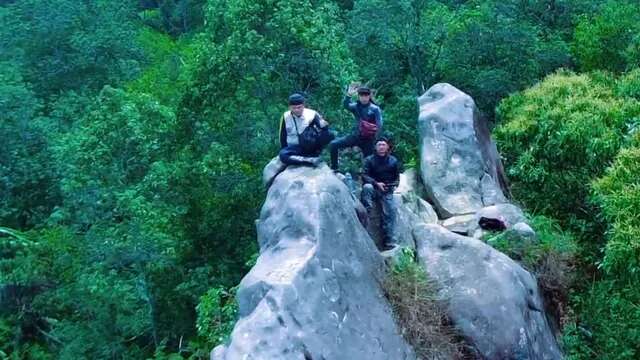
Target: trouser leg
x,y
388,217
340,143
367,196
293,155
326,137
367,146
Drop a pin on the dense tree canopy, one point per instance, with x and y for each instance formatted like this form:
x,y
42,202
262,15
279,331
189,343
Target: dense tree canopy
x,y
134,134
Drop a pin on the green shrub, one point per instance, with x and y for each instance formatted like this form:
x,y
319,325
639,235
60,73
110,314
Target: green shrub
x,y
609,311
607,323
558,136
571,150
217,312
608,40
618,195
629,85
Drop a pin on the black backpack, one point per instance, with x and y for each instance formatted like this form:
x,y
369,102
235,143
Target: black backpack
x,y
313,138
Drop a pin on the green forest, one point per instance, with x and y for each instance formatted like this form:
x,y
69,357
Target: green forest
x,y
134,133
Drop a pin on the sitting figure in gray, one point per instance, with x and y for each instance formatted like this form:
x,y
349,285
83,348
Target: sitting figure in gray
x,y
381,175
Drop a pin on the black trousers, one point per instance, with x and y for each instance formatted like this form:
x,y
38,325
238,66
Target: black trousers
x,y
366,146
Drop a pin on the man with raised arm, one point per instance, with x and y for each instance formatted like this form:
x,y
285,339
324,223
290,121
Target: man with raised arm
x,y
368,125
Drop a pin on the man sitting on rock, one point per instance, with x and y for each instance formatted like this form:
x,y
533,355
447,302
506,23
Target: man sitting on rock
x,y
303,134
368,124
381,175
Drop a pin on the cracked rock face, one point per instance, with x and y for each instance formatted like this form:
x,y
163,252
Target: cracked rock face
x,y
492,300
460,165
314,292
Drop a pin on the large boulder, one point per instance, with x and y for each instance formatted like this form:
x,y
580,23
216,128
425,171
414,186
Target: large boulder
x,y
314,292
411,208
460,165
491,299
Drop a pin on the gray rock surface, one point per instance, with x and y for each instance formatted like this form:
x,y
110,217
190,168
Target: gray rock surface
x,y
314,292
410,182
492,300
273,168
508,214
460,165
524,231
459,224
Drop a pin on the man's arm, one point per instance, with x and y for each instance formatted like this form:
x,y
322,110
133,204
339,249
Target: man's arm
x,y
319,121
396,178
379,120
348,104
283,134
366,173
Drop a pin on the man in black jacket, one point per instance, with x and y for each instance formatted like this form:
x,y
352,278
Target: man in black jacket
x,y
381,175
368,123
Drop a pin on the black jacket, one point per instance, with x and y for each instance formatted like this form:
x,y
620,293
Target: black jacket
x,y
370,112
283,129
385,169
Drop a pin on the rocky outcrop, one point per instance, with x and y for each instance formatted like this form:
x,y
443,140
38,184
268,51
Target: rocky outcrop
x,y
460,165
314,292
491,299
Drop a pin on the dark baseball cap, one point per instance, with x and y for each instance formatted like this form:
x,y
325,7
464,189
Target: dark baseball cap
x,y
296,99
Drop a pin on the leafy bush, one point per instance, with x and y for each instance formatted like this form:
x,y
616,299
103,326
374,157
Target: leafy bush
x,y
629,86
609,310
572,150
608,39
558,136
217,313
606,324
618,195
